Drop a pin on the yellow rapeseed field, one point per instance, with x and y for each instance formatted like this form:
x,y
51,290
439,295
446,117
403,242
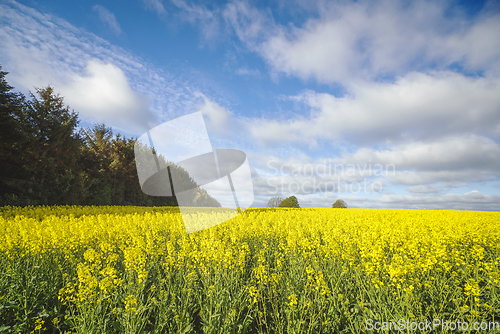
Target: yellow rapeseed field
x,y
135,270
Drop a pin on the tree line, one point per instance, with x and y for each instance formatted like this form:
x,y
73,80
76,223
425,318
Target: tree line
x,y
47,159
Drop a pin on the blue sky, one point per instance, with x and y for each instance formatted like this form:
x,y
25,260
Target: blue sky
x,y
401,99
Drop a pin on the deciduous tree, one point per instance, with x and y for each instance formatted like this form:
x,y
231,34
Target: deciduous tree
x,y
290,202
275,202
340,204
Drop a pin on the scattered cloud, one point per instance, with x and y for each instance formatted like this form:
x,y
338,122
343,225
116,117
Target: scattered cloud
x,y
104,94
417,106
218,117
247,71
252,26
209,20
107,18
42,49
350,42
155,5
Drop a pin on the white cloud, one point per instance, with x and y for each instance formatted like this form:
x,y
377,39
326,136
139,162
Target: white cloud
x,y
415,107
353,41
247,71
454,153
218,116
155,5
479,45
108,18
104,94
474,194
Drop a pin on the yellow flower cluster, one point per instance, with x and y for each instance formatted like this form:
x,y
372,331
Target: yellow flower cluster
x,y
297,258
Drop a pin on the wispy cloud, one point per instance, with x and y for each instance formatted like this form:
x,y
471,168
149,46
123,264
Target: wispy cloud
x,y
208,20
155,5
219,118
101,81
247,71
107,18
